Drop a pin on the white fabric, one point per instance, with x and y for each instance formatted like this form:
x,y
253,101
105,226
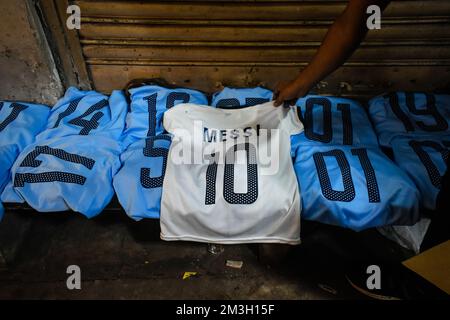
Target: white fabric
x,y
270,212
409,237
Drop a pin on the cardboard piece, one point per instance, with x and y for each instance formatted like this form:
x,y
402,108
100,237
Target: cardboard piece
x,y
433,265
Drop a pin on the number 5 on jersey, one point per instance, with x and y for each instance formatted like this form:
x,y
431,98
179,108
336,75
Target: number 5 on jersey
x,y
151,151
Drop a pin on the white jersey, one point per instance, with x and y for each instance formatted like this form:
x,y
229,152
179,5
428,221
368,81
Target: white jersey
x,y
229,175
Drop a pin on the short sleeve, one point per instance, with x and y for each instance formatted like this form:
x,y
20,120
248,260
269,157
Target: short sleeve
x,y
291,122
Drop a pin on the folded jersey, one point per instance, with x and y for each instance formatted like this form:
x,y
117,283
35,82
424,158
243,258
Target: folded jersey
x,y
148,104
20,122
354,187
408,113
424,159
71,173
8,154
87,113
238,185
334,121
139,182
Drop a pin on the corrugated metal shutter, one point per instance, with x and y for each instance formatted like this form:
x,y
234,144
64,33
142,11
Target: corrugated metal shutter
x,y
203,44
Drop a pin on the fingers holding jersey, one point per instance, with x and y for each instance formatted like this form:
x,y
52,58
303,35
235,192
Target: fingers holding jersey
x,y
287,93
279,88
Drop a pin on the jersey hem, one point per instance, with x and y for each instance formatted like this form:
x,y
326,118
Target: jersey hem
x,y
231,241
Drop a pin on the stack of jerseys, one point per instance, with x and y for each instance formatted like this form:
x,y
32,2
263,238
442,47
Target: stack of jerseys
x,y
246,174
227,195
417,128
20,122
238,184
344,177
139,182
71,163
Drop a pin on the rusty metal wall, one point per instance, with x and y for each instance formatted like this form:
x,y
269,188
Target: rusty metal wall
x,y
27,69
204,44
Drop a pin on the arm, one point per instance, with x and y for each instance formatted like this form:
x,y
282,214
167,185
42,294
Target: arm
x,y
341,40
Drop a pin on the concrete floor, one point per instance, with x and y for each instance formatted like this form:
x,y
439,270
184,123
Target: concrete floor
x,y
123,259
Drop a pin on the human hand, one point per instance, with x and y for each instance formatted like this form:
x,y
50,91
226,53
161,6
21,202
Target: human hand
x,y
289,92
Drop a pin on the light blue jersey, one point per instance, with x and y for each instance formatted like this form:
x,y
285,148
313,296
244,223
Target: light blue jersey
x,y
411,114
8,155
424,159
148,104
20,122
354,187
87,113
74,172
334,121
139,182
78,114
232,98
